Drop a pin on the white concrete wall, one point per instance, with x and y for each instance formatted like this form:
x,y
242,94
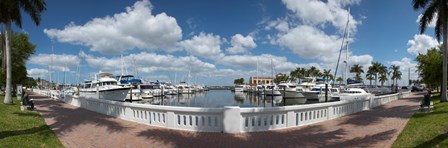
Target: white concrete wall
x,y
230,119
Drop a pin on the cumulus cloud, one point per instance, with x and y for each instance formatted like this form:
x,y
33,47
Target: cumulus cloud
x,y
331,12
406,66
37,72
135,28
265,63
204,45
431,24
58,62
309,42
421,43
241,44
147,63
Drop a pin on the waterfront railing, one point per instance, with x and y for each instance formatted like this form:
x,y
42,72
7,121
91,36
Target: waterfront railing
x,y
230,119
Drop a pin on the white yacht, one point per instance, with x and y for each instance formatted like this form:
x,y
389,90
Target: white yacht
x,y
292,93
104,87
241,88
129,80
184,88
151,90
308,83
317,93
353,92
272,90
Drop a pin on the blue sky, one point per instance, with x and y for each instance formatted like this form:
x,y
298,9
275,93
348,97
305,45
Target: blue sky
x,y
216,42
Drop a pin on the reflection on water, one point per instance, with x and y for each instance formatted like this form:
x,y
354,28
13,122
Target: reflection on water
x,y
217,99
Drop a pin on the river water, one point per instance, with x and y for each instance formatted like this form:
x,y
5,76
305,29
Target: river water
x,y
216,99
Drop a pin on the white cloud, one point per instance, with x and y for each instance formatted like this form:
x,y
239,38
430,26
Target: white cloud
x,y
241,44
148,63
58,62
431,24
278,64
319,13
406,66
309,42
421,43
204,45
135,28
279,24
37,72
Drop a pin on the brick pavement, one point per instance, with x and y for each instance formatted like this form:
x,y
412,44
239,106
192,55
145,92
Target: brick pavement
x,y
77,127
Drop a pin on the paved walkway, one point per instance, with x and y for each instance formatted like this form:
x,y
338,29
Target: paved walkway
x,y
77,127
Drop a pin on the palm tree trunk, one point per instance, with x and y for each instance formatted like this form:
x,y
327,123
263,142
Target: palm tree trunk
x,y
444,69
8,97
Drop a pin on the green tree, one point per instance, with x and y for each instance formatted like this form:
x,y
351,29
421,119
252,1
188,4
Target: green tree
x,y
10,12
238,81
22,49
432,8
327,74
357,69
429,67
340,80
313,72
369,76
383,78
396,74
279,78
297,74
377,69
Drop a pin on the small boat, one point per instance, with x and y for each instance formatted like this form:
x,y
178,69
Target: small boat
x,y
151,90
272,90
134,83
292,93
351,92
241,88
184,88
104,87
317,93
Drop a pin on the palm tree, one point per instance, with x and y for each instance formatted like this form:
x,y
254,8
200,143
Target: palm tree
x,y
393,70
340,79
313,72
327,74
377,69
357,69
10,12
369,76
431,8
383,78
396,74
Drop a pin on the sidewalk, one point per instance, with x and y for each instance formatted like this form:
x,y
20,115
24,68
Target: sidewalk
x,y
77,127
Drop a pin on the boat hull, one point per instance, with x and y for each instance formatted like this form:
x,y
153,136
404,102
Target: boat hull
x,y
115,94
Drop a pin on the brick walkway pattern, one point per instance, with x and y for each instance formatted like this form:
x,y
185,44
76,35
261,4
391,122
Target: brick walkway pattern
x,y
77,127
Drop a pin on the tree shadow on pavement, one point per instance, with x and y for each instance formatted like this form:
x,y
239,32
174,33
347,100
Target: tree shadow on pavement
x,y
307,136
66,117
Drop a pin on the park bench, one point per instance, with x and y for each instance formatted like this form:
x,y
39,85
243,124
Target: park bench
x,y
426,104
27,103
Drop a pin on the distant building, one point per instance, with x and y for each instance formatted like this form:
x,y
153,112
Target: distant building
x,y
280,75
260,80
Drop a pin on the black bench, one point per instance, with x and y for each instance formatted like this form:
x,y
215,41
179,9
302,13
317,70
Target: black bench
x,y
27,103
426,104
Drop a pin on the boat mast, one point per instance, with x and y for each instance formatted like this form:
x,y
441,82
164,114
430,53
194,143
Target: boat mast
x,y
121,59
346,53
256,80
342,45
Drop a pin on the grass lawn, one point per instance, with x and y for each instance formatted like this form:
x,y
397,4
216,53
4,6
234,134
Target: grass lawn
x,y
426,129
24,128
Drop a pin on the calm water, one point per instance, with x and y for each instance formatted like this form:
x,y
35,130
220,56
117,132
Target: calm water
x,y
216,99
